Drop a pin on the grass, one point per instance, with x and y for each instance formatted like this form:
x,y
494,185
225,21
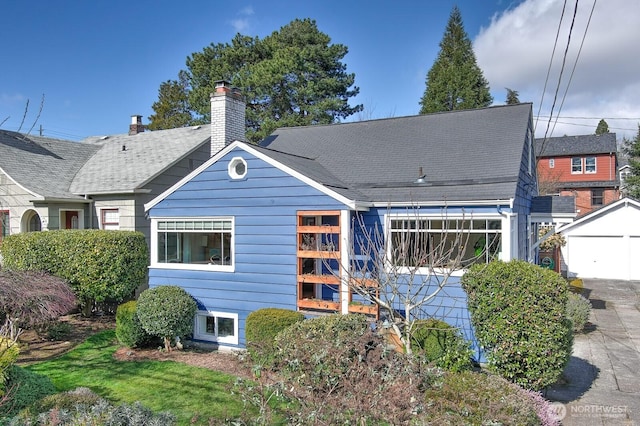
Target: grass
x,y
187,392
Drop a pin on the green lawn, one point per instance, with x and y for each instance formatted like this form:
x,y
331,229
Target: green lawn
x,y
183,390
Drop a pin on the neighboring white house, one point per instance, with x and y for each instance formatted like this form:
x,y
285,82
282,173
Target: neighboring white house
x,y
605,243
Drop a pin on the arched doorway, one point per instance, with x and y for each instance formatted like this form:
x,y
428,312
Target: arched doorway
x,y
31,222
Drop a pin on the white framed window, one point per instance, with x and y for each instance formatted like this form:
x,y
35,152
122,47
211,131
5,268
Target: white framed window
x,y
110,219
422,241
188,243
576,165
237,168
552,163
590,165
220,327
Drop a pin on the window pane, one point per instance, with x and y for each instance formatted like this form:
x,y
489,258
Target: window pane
x,y
590,164
226,327
576,165
210,325
4,224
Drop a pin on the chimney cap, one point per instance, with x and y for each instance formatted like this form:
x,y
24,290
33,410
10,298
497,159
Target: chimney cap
x,y
136,119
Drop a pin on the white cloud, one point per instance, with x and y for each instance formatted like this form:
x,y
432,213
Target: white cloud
x,y
240,24
515,51
248,11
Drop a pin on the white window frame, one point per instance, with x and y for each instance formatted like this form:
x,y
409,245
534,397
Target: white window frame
x,y
199,327
209,266
5,223
574,170
233,171
552,163
586,165
112,226
504,231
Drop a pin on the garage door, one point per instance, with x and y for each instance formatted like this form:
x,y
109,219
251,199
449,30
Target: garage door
x,y
601,257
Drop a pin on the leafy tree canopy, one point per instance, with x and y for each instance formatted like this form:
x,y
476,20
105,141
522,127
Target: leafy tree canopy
x,y
455,81
631,148
293,77
512,97
602,128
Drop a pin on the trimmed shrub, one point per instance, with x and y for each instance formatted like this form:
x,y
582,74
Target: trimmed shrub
x,y
58,330
263,325
129,330
99,265
578,311
472,398
166,311
442,344
24,388
518,311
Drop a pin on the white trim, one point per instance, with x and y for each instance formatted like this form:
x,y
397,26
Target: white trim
x,y
20,185
345,246
246,147
191,266
599,212
231,169
445,203
504,231
229,340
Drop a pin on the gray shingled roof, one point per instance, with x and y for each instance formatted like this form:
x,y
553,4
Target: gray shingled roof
x,y
553,204
576,145
465,155
145,156
43,166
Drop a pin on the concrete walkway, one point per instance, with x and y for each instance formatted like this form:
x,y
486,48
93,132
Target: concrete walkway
x,y
603,374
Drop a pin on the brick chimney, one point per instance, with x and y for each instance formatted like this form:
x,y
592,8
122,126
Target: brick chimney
x,y
136,125
227,116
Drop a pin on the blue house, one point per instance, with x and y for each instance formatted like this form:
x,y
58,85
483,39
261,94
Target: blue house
x,y
273,225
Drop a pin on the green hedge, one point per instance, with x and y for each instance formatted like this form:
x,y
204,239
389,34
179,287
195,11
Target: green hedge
x,y
24,389
263,325
129,331
442,344
518,311
99,265
166,311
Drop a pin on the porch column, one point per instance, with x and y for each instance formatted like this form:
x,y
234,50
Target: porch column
x,y
345,249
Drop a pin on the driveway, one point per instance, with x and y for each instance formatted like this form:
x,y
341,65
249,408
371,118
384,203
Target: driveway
x,y
603,375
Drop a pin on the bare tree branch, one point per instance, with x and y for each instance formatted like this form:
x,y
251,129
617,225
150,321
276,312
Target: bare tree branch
x,y
37,116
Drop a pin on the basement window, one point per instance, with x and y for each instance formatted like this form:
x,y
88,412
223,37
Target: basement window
x,y
217,327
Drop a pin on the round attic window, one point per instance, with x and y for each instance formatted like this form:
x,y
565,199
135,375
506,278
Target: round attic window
x,y
237,168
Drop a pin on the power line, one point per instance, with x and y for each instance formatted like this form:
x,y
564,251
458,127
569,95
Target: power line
x,y
566,117
564,60
553,53
576,61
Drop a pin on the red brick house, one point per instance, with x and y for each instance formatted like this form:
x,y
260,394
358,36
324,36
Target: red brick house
x,y
583,166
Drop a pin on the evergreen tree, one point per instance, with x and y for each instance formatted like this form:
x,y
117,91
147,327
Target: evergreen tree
x,y
172,107
512,97
602,128
455,81
293,77
632,149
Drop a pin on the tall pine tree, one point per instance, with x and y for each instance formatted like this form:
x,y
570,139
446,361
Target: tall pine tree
x,y
632,181
455,81
293,77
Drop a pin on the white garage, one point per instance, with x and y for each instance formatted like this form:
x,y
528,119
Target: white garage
x,y
605,243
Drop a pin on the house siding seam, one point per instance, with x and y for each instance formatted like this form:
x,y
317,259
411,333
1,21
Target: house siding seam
x,y
264,207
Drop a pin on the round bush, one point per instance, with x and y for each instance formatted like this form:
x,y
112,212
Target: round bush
x,y
263,325
578,311
442,344
167,312
518,311
24,388
9,351
129,331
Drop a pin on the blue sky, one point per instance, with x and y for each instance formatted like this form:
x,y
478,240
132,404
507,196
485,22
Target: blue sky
x,y
99,62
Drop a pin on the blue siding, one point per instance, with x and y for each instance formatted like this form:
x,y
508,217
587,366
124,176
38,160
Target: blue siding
x,y
264,206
